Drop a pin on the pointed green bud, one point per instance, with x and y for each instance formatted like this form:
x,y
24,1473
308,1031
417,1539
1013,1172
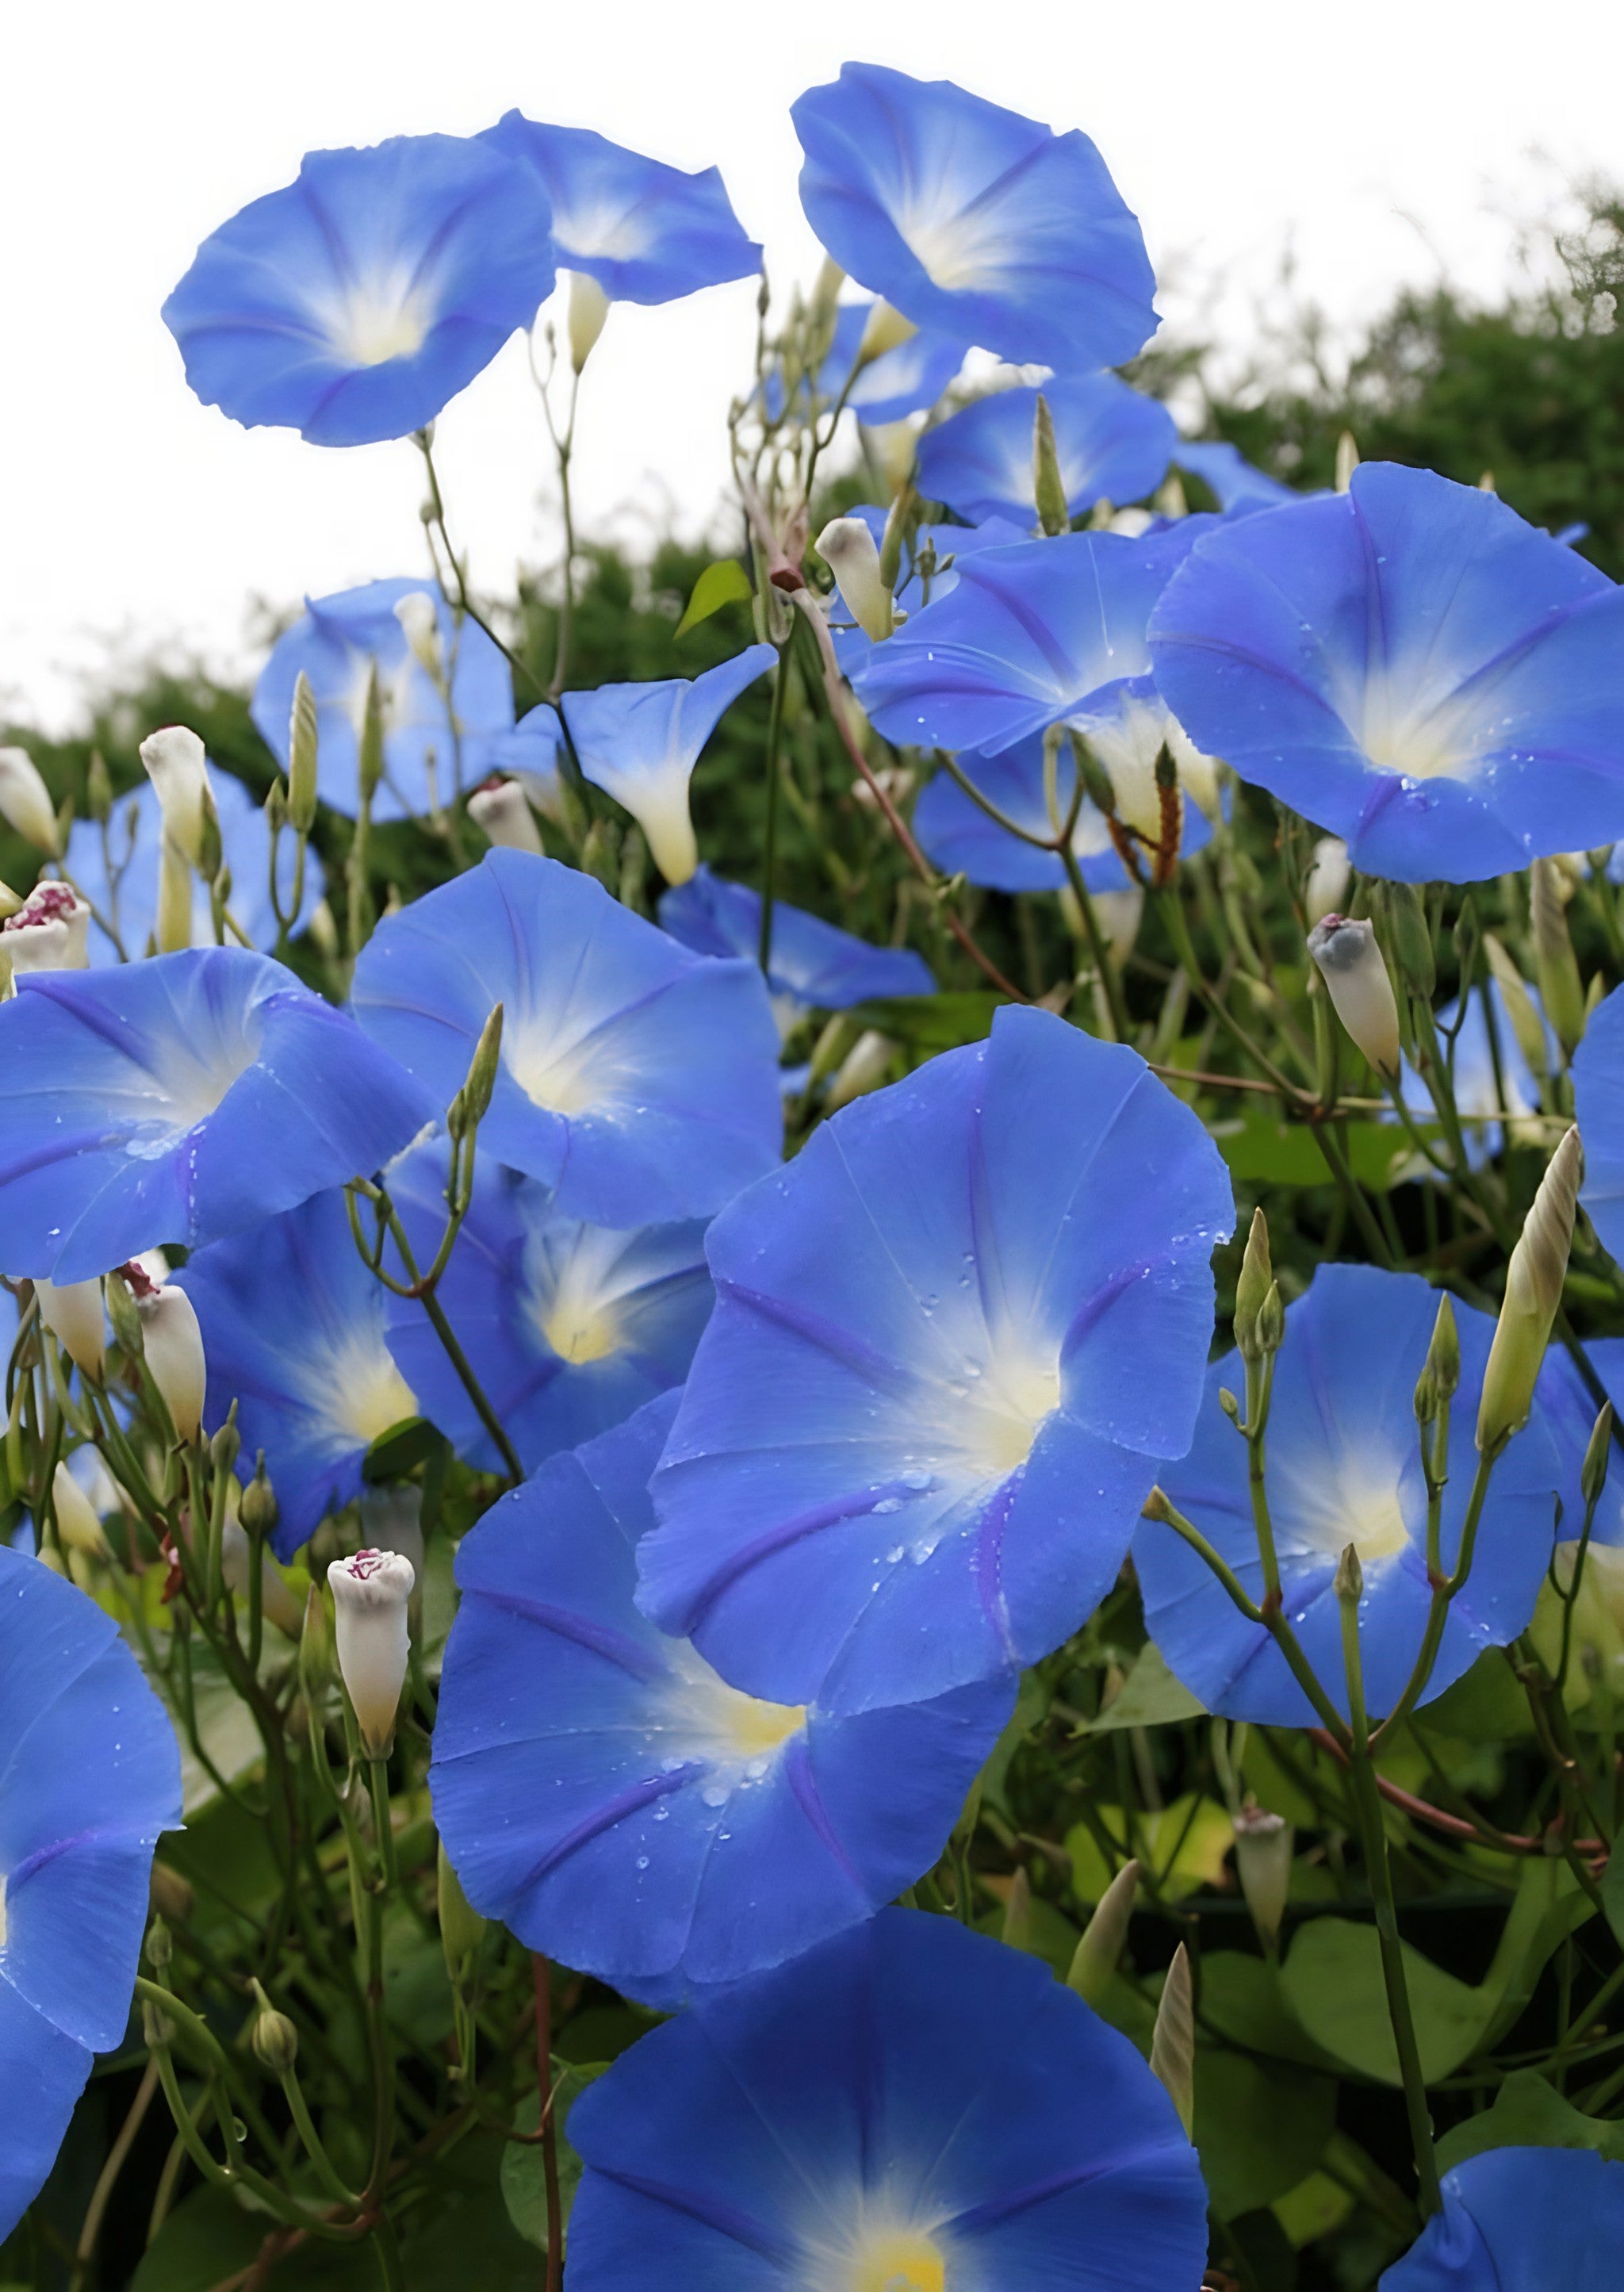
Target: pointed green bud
x,y
97,789
122,1313
223,1445
258,1511
303,750
1425,1402
1172,2042
1048,487
1560,988
161,1947
462,1929
1350,1584
1252,1290
318,1656
1525,1023
1533,1291
1404,912
1099,1952
1347,461
1264,1844
371,751
272,2038
903,514
1098,785
1592,1472
471,1103
1444,1353
1271,1321
1018,1912
276,805
1228,1403
210,851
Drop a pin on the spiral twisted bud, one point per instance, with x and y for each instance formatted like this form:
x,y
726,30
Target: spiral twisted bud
x,y
1440,1377
1048,487
1533,1292
1099,1952
303,750
1593,1472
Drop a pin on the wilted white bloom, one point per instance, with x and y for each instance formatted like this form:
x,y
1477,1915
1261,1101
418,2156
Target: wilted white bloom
x,y
1351,965
500,807
173,1344
25,800
369,1595
48,931
72,1311
853,554
1327,879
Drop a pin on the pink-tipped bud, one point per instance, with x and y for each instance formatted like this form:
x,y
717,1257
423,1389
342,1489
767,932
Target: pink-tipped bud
x,y
370,1593
48,931
1351,965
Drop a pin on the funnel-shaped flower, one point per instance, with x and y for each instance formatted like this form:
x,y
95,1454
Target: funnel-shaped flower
x,y
117,868
811,967
903,380
644,231
1520,2219
293,1331
1027,637
1345,1467
351,304
1112,443
952,1341
1598,1103
1409,665
1127,727
180,1099
90,1775
641,742
431,754
640,1081
910,2108
569,1328
529,752
972,219
600,1790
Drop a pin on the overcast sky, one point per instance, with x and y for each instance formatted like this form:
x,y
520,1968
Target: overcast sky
x,y
1379,142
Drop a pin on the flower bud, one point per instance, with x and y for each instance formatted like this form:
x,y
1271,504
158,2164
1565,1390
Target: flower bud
x,y
462,1929
47,932
1326,882
1252,1289
1350,1579
420,623
172,1897
303,752
498,807
122,1289
1560,989
73,1313
1017,1930
159,1947
1347,461
886,330
588,309
1099,1952
25,800
1533,1292
1048,487
848,548
318,1661
369,754
173,1344
863,1069
78,1527
1442,1369
471,1103
1351,967
258,1510
1263,1863
904,512
272,2038
177,766
1592,1472
369,1596
1411,936
1525,1021
1173,2041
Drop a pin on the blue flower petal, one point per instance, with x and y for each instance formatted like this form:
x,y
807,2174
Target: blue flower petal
x,y
1598,1104
42,2075
1409,665
1520,2220
813,965
1112,441
353,304
918,1429
1239,485
974,220
638,1080
902,381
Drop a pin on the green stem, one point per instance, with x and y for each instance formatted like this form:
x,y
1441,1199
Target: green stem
x,y
1110,983
769,856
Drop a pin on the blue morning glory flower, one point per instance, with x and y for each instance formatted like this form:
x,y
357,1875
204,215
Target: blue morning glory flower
x,y
530,753
975,222
180,1099
293,1326
1345,1467
909,2108
1598,1105
1025,638
641,742
354,302
569,1328
812,965
116,868
943,546
1409,665
431,755
638,1080
90,1775
953,1342
645,231
1112,441
1520,2220
1127,727
1239,485
603,1792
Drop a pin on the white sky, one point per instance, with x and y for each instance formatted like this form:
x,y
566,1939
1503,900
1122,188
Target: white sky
x,y
1379,139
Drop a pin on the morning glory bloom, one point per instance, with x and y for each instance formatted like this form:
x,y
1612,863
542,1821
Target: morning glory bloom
x,y
641,742
954,1341
943,546
604,1793
1025,639
569,1328
1520,2220
293,1326
529,752
644,231
974,220
180,1099
1345,1467
638,1080
909,2108
812,965
1598,1105
1112,441
1410,666
1127,727
90,1775
116,868
1238,484
354,302
431,755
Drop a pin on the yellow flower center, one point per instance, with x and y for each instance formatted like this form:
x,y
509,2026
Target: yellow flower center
x,y
379,322
900,2264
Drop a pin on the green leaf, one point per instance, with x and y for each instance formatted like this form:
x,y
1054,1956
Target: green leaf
x,y
524,2190
724,583
1184,1846
1151,1697
1528,2113
1051,1934
1612,1893
400,1451
932,1023
205,2240
1241,2001
1262,1152
1313,2208
1260,2129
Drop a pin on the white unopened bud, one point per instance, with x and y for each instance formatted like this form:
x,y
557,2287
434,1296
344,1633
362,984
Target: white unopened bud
x,y
1533,1291
1327,879
72,1312
853,555
48,932
25,800
501,809
863,1069
420,626
76,1523
369,1596
177,766
886,330
1351,965
1263,1863
173,1344
588,309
